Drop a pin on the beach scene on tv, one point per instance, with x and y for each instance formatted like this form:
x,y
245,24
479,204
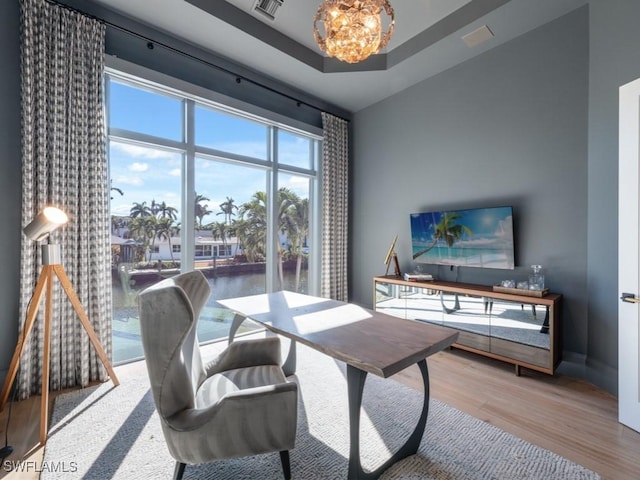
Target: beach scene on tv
x,y
481,237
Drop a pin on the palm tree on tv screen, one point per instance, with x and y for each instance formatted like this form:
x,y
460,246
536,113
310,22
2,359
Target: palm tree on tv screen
x,y
446,230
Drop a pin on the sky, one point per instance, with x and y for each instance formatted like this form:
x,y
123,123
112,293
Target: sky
x,y
146,174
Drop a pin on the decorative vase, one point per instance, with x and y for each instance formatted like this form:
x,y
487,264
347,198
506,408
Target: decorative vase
x,y
536,279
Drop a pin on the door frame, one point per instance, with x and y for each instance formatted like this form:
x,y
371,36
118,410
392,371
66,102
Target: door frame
x,y
628,256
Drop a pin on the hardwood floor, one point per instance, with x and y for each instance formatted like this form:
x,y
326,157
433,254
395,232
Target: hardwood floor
x,y
567,416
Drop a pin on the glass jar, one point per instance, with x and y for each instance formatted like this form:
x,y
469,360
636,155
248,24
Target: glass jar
x,y
536,279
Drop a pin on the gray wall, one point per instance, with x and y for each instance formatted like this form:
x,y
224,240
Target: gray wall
x,y
510,127
10,188
506,128
614,61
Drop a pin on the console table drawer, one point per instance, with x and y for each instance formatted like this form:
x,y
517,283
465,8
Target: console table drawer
x,y
518,351
473,340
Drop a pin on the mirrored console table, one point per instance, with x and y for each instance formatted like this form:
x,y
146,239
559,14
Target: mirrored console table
x,y
518,329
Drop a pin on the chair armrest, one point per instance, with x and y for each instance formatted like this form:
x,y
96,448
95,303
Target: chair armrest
x,y
246,353
248,400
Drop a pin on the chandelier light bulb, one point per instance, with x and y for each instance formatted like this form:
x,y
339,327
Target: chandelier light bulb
x,y
353,28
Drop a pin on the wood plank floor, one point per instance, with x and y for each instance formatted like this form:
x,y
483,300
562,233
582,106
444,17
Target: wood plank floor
x,y
567,416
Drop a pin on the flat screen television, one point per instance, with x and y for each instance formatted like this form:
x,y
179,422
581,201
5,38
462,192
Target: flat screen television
x,y
479,237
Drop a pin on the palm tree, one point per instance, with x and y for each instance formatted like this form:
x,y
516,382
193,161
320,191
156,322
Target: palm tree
x,y
220,230
286,199
201,210
252,226
153,225
227,207
164,229
155,207
115,189
298,231
142,230
140,210
166,211
448,230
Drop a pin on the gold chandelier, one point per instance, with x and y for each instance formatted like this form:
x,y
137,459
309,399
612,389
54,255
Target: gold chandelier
x,y
353,28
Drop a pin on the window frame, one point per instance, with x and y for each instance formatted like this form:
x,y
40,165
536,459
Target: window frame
x,y
190,96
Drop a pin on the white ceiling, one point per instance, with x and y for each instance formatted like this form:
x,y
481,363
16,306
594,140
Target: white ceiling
x,y
427,39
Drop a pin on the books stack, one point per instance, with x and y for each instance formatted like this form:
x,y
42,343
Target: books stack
x,y
418,277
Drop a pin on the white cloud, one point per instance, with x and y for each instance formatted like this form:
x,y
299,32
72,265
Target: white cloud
x,y
176,172
139,167
134,181
297,184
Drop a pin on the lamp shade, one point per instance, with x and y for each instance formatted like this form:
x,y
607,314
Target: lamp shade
x,y
45,222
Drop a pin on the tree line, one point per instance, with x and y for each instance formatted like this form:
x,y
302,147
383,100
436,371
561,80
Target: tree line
x,y
247,222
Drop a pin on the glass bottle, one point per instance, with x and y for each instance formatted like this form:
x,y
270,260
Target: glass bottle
x,y
536,279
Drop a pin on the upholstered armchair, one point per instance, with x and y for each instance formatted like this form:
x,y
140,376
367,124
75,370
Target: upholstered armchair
x,y
239,404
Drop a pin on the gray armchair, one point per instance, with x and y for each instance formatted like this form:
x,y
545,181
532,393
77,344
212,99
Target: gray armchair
x,y
240,404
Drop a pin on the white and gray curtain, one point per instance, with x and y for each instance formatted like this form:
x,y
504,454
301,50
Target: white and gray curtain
x,y
64,165
335,205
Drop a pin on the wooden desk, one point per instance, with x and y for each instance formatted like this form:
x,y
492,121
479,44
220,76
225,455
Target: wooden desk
x,y
367,341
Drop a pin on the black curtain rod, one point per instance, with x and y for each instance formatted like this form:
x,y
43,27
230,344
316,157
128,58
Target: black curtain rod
x,y
151,43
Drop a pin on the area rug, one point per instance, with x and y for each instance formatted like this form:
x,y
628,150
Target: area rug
x,y
110,432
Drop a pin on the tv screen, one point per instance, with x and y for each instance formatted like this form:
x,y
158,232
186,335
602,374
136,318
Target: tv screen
x,y
479,237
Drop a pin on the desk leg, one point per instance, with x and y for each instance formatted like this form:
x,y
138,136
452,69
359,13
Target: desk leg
x,y
289,365
235,325
355,386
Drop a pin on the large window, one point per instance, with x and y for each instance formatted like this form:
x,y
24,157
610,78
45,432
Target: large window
x,y
197,185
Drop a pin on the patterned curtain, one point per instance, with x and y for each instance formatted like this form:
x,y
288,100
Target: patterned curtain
x,y
335,207
64,164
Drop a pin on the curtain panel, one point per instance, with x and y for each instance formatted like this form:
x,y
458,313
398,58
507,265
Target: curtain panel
x,y
64,165
335,207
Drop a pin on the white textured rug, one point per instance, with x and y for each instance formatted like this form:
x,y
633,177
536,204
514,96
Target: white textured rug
x,y
113,432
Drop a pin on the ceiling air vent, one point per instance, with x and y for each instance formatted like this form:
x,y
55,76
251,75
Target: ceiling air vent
x,y
478,36
268,7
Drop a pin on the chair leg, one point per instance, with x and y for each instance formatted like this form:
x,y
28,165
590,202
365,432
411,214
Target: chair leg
x,y
286,464
179,471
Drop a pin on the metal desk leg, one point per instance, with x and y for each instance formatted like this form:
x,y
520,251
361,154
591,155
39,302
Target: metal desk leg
x,y
289,365
355,386
235,325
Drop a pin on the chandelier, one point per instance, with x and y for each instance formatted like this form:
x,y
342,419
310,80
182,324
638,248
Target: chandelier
x,y
353,28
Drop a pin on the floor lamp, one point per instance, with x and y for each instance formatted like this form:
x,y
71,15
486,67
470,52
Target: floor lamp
x,y
39,229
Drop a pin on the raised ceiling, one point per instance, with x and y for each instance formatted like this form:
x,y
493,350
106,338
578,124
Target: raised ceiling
x,y
427,39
